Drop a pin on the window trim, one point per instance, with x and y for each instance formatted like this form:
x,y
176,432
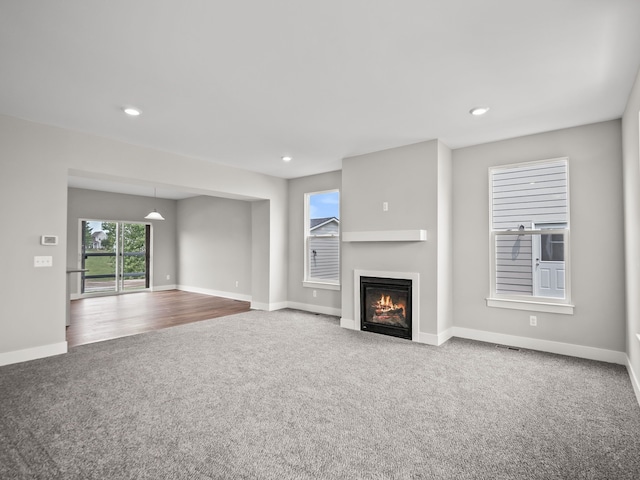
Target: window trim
x,y
309,282
526,302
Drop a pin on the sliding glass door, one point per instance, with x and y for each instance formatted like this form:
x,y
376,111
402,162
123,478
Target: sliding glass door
x,y
115,256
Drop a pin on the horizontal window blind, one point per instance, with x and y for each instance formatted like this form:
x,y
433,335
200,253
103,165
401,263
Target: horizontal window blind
x,y
529,195
525,197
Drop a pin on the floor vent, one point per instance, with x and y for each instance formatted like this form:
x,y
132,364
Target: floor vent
x,y
507,347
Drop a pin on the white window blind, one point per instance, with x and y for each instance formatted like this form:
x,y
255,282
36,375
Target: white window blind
x,y
530,229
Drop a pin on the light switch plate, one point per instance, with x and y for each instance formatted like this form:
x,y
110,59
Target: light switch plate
x,y
43,261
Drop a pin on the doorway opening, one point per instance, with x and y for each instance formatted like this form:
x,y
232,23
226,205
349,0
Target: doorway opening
x,y
115,257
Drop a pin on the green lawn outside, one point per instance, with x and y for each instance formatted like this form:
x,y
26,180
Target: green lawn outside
x,y
105,266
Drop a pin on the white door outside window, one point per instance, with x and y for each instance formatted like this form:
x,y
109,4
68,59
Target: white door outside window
x,y
548,262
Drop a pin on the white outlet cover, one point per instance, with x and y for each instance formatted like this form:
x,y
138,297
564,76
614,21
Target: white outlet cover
x,y
43,261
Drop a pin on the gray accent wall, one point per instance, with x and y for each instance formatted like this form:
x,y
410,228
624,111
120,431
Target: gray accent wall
x,y
415,182
597,232
214,245
94,205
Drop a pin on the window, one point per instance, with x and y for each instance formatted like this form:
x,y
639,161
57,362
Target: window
x,y
529,211
115,256
322,240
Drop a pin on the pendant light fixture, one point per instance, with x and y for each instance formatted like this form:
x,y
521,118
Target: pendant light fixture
x,y
155,215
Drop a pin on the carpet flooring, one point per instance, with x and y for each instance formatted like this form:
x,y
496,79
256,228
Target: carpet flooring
x,y
291,395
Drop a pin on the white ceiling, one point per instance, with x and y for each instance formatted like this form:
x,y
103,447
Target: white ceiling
x,y
245,82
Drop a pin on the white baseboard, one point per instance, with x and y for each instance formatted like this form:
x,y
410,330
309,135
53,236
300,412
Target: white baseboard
x,y
163,288
427,338
348,323
215,293
17,356
591,353
268,307
336,312
435,339
634,380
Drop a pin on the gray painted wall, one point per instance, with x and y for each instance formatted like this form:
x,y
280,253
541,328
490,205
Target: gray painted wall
x,y
595,169
262,295
91,204
326,299
409,180
33,202
631,145
36,161
214,245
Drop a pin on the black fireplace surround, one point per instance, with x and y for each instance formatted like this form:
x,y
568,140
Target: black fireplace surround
x,y
385,306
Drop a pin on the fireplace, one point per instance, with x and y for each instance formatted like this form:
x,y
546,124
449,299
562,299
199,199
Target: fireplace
x,y
386,306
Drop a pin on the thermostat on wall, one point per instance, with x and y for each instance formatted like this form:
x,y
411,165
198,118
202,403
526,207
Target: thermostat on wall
x,y
49,240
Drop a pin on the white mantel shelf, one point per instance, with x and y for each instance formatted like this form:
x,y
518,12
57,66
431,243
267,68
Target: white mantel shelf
x,y
386,236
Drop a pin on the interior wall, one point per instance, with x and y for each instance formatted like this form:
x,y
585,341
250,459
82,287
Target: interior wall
x,y
214,246
33,201
407,179
36,161
326,301
91,204
260,247
597,250
631,155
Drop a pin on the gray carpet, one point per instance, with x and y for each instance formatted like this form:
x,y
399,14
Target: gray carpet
x,y
291,395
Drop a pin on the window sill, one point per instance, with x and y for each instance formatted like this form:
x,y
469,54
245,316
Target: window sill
x,y
531,305
321,285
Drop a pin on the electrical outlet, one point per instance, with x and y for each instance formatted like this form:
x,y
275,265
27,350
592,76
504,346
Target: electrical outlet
x,y
168,277
315,294
43,261
237,283
533,320
385,206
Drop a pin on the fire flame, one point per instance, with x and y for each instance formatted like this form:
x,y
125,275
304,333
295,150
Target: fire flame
x,y
385,301
386,304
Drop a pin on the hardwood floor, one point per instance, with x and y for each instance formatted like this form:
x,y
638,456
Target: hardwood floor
x,y
103,318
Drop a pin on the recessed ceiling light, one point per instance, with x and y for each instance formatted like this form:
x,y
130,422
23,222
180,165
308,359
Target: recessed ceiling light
x,y
287,159
134,112
477,111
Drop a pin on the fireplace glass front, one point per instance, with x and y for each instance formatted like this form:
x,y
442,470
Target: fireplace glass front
x,y
385,306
